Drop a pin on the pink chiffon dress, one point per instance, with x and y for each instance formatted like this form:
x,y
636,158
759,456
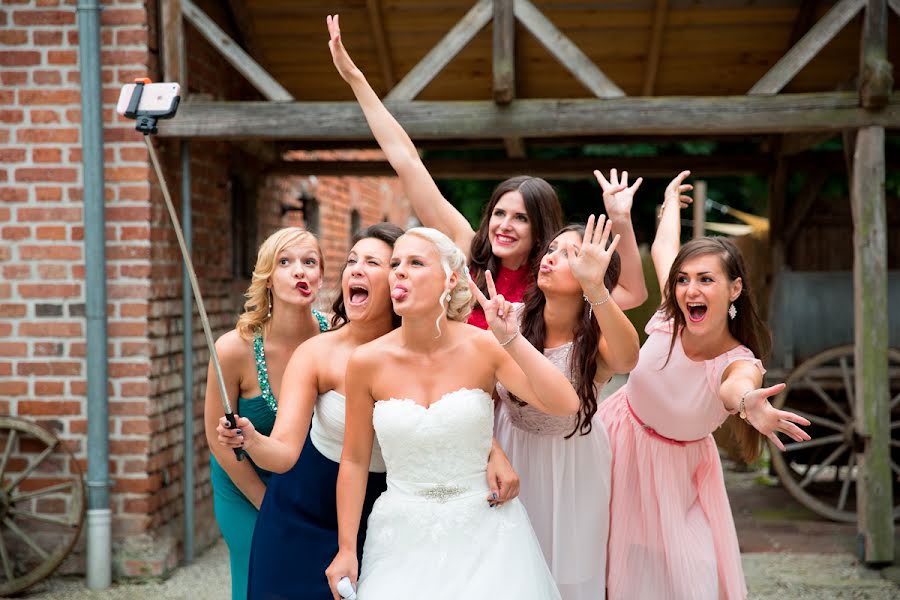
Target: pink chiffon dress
x,y
672,534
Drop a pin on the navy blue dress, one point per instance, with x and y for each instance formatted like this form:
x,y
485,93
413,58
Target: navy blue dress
x,y
296,534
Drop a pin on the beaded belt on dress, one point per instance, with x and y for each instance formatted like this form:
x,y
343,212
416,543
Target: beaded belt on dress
x,y
653,433
464,487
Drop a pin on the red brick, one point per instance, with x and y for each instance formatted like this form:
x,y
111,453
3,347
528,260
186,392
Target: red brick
x,y
39,290
51,232
48,349
12,116
49,388
17,272
60,174
5,369
130,389
44,17
49,97
48,136
129,408
5,329
134,233
134,192
11,155
10,194
50,329
44,194
133,154
20,58
10,387
62,57
127,329
135,426
118,369
127,173
135,271
16,232
53,271
48,407
13,349
45,368
49,214
47,38
128,213
46,155
73,115
122,447
12,310
130,37
46,77
14,37
12,78
54,252
125,252
41,116
48,2
78,426
132,310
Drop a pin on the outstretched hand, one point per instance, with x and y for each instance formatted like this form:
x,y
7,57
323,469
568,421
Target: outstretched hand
x,y
675,191
617,196
589,263
339,55
768,420
498,312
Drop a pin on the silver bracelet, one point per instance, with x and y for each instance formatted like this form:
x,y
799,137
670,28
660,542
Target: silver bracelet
x,y
591,305
511,338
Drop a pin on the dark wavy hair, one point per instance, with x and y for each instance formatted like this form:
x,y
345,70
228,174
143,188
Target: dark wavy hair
x,y
387,233
747,328
544,216
585,354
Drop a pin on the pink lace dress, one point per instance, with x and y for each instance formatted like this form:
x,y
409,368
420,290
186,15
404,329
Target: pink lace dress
x,y
565,487
671,533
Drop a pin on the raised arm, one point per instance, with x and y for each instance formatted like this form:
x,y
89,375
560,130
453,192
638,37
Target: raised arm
x,y
544,386
296,400
618,197
241,473
668,235
430,206
354,470
619,344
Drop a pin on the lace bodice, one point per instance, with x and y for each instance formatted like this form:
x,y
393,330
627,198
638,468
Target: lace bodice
x,y
530,419
444,443
327,431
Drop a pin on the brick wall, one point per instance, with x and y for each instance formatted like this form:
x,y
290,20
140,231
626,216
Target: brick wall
x,y
42,345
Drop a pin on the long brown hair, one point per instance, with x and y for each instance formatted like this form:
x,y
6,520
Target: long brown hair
x,y
585,354
544,217
387,233
747,327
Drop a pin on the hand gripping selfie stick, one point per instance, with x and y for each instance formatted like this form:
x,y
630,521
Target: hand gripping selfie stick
x,y
146,124
345,589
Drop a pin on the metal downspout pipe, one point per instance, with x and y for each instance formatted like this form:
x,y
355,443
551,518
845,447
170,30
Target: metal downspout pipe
x,y
188,358
99,515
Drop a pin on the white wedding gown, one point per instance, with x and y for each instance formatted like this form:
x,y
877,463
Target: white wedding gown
x,y
432,534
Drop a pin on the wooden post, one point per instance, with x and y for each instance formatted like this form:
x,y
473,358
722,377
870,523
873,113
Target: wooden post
x,y
174,59
504,52
699,208
876,77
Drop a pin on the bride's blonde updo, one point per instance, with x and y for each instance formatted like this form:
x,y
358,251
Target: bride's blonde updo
x,y
459,305
257,310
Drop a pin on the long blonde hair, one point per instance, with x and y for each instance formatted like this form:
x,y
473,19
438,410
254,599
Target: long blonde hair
x,y
256,309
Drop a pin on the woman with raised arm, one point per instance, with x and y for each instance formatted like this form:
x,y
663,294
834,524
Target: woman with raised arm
x,y
425,390
564,462
672,535
519,219
278,317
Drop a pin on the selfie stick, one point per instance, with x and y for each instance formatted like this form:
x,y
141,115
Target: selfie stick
x,y
345,589
146,124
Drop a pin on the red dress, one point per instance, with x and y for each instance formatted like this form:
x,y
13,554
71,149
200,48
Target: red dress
x,y
512,285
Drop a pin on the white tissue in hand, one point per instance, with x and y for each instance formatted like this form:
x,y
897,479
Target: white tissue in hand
x,y
345,589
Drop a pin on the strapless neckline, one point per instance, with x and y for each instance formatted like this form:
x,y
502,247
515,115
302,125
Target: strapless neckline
x,y
444,396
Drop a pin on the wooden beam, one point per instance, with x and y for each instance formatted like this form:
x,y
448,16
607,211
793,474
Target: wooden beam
x,y
873,415
895,6
438,57
809,45
709,116
565,51
382,49
504,30
515,147
876,75
801,142
656,37
174,62
234,54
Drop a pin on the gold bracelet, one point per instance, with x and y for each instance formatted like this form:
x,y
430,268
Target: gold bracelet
x,y
591,305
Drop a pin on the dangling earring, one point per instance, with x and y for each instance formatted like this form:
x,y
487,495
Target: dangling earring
x,y
732,311
449,297
269,296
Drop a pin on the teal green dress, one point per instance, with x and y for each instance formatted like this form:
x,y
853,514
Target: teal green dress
x,y
235,514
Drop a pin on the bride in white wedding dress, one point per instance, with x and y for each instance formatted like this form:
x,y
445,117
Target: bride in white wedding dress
x,y
424,390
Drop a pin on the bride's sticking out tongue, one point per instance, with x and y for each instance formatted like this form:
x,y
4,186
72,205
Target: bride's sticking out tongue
x,y
399,293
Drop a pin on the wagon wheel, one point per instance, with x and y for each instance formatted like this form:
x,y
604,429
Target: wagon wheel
x,y
41,512
821,473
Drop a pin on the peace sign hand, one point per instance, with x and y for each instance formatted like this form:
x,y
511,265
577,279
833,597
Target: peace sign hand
x,y
499,313
617,196
768,420
589,263
339,55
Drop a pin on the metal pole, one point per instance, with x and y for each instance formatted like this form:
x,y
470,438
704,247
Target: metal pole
x,y
99,572
188,357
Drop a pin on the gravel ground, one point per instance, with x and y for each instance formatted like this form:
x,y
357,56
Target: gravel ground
x,y
770,576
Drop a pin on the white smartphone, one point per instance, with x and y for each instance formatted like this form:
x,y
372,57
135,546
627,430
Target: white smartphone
x,y
158,100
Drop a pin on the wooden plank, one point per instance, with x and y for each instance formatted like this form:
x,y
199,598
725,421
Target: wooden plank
x,y
382,49
784,113
174,61
565,51
895,6
515,147
234,54
809,45
438,57
873,414
876,73
504,30
656,37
